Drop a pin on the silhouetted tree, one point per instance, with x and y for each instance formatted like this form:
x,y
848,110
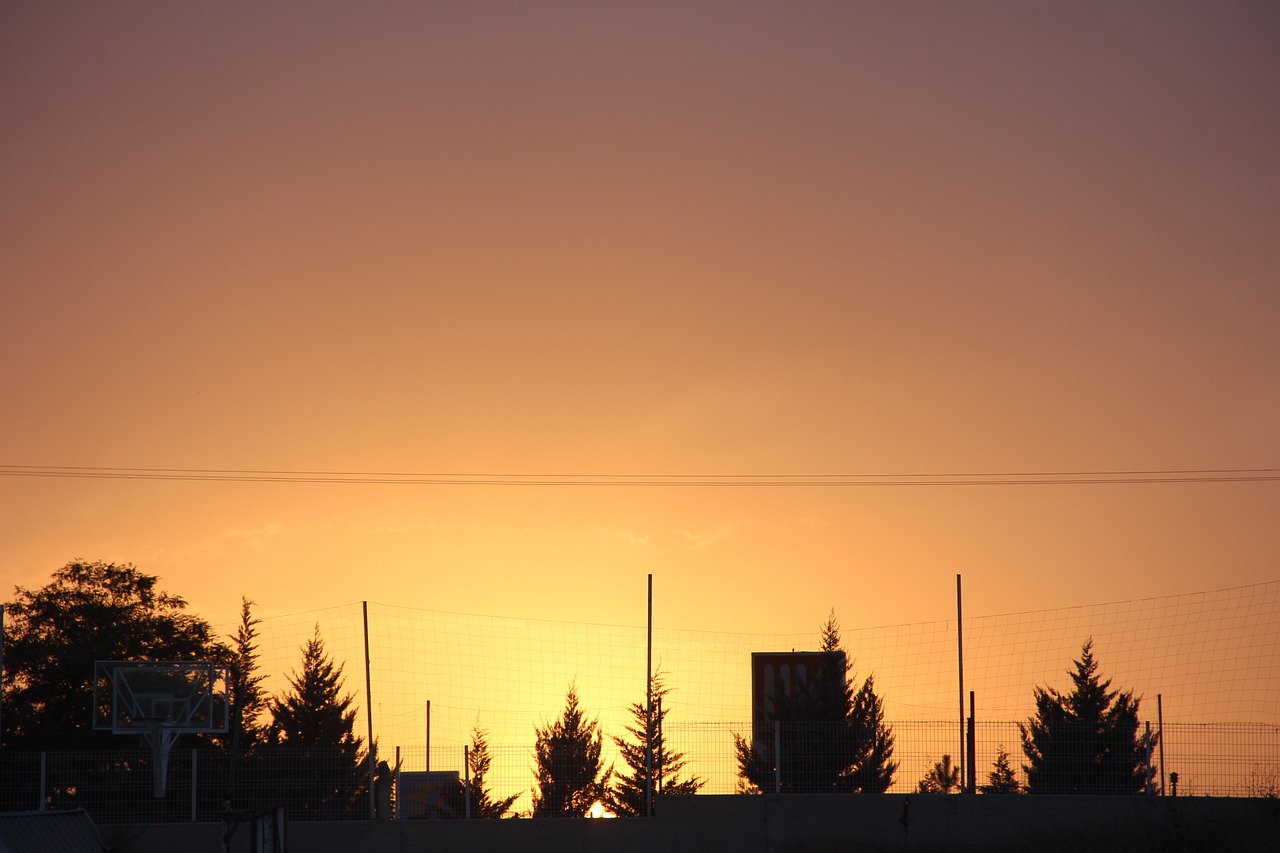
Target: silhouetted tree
x,y
312,738
451,800
1085,741
941,779
483,804
630,792
248,700
1001,779
833,739
873,772
87,612
569,772
313,712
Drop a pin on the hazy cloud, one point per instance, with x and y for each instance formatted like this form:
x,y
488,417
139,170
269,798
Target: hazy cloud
x,y
255,537
695,541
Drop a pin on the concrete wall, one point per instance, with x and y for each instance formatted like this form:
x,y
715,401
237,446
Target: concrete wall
x,y
792,824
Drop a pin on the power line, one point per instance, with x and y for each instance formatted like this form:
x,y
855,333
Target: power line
x,y
668,480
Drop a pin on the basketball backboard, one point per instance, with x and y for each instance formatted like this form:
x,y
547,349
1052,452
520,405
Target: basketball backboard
x,y
160,701
134,697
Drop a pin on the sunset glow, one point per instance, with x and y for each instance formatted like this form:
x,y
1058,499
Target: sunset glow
x,y
494,309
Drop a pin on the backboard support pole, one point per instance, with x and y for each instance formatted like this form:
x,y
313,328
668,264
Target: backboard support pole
x,y
159,701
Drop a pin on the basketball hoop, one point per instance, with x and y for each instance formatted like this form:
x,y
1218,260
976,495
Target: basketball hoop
x,y
160,701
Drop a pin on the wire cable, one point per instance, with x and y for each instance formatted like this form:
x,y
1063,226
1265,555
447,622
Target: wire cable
x,y
812,480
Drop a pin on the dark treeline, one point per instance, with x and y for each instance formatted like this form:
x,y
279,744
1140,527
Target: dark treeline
x,y
303,740
299,748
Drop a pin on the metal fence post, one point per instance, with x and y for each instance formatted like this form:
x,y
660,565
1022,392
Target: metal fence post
x,y
970,785
193,784
466,778
1151,782
44,756
1160,723
777,757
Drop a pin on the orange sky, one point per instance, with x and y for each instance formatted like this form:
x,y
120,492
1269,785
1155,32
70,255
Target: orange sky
x,y
576,238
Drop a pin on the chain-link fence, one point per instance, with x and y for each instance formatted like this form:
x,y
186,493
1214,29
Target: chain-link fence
x,y
203,783
1210,759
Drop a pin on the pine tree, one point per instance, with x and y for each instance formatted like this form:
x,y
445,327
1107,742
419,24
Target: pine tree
x,y
569,773
248,700
248,703
312,738
483,805
1001,779
449,801
1085,741
315,713
833,739
873,772
942,779
630,792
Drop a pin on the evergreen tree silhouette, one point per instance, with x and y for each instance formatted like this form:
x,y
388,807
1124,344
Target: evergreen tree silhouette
x,y
832,738
569,773
942,778
1085,741
1001,779
483,804
629,795
247,698
451,801
313,741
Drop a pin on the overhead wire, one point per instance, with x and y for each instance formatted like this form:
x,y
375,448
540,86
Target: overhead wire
x,y
665,480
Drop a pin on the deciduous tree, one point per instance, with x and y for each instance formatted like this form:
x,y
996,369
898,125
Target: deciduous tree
x,y
87,612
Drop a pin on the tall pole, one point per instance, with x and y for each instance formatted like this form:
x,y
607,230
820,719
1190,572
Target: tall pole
x,y
648,714
368,706
466,777
960,652
1,665
1160,734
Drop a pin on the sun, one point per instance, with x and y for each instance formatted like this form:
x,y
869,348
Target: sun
x,y
598,810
